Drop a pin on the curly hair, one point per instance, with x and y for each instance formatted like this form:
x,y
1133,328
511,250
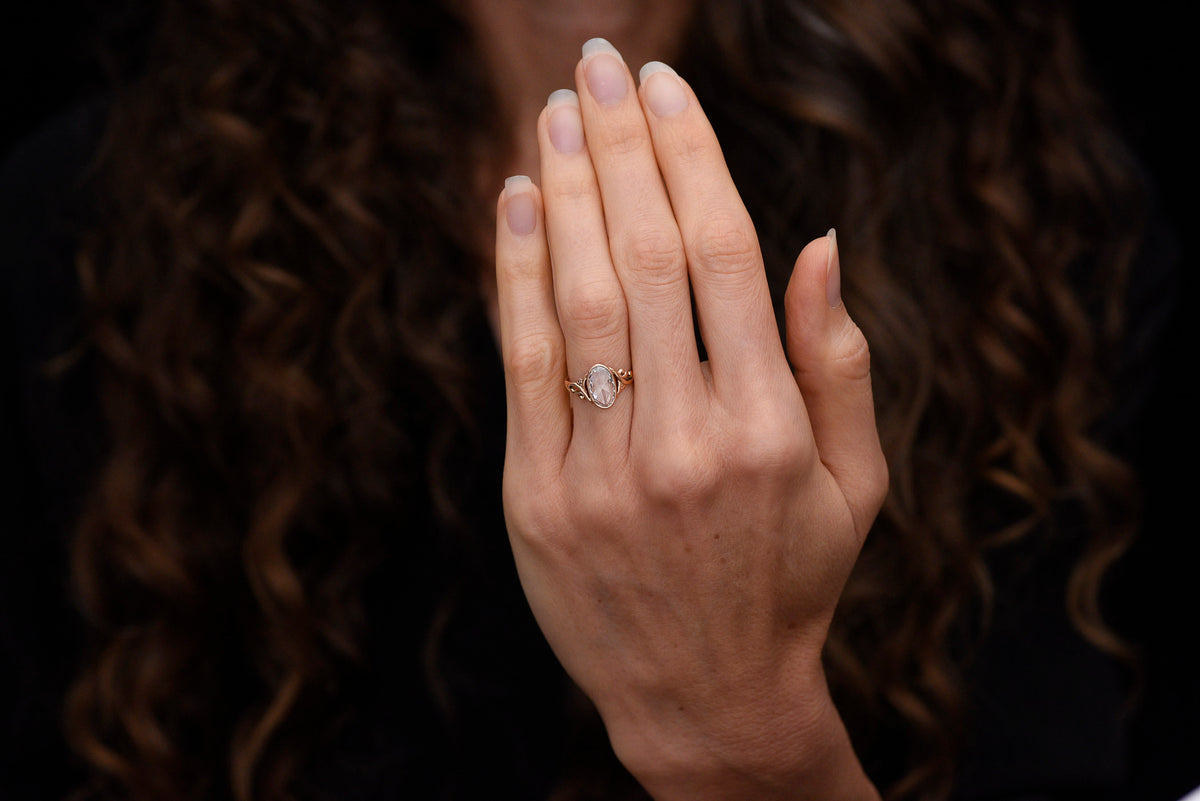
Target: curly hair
x,y
286,303
992,220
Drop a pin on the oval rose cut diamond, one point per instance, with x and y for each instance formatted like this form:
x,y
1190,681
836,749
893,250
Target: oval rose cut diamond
x,y
601,386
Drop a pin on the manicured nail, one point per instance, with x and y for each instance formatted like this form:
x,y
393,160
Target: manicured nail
x,y
664,91
604,70
833,272
519,208
565,123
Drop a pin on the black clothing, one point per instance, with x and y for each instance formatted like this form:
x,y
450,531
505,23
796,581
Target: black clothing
x,y
1050,723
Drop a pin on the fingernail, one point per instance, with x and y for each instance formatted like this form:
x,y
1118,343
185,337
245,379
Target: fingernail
x,y
604,71
664,91
833,272
565,124
518,205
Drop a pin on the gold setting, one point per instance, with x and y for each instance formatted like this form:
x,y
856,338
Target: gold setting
x,y
619,380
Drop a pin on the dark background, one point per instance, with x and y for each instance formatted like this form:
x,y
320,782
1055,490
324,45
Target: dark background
x,y
1139,55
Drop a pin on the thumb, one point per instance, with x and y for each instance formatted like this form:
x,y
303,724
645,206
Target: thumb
x,y
832,365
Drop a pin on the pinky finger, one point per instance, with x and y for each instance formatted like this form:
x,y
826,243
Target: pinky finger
x,y
531,341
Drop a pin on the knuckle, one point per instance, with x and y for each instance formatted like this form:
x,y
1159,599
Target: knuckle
x,y
698,150
592,503
594,311
521,269
571,188
851,354
623,136
656,255
868,491
726,243
528,513
536,503
783,453
676,477
773,450
520,507
878,482
532,358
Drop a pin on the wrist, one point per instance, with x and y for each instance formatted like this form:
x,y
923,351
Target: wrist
x,y
803,754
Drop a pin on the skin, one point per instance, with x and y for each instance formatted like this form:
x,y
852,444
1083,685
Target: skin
x,y
531,48
684,550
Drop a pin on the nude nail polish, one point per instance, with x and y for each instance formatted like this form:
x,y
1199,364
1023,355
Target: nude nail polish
x,y
519,209
663,89
833,272
564,121
604,70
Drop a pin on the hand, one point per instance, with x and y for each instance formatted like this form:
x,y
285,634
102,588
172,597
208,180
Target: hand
x,y
683,550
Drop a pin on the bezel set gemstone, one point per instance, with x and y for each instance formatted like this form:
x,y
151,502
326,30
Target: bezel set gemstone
x,y
601,385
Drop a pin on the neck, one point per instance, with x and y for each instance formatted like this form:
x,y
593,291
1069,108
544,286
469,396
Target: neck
x,y
530,48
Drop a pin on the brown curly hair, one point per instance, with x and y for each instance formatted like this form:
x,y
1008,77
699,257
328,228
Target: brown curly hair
x,y
287,307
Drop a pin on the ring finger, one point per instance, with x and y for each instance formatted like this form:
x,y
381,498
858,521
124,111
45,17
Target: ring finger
x,y
591,304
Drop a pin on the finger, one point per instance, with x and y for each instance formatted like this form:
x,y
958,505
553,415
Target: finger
x,y
591,305
644,240
832,366
733,302
539,419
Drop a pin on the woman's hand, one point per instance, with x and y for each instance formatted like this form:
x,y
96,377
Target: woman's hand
x,y
684,549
